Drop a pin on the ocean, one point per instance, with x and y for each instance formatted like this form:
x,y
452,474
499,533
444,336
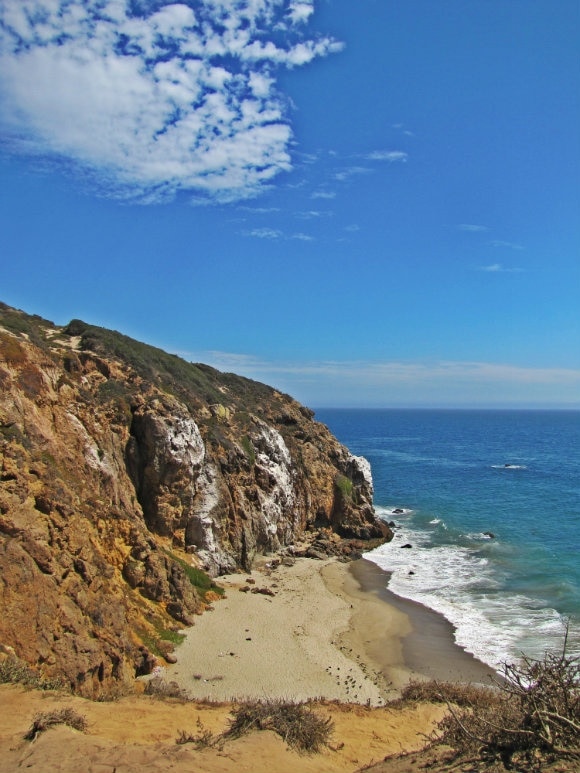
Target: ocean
x,y
489,503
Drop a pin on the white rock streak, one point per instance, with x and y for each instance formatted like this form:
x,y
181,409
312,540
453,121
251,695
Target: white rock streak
x,y
278,500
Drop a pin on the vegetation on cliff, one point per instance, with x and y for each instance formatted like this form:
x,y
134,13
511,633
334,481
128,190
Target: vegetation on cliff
x,y
130,478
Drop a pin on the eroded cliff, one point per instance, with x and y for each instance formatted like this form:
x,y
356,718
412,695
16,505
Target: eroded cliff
x,y
127,476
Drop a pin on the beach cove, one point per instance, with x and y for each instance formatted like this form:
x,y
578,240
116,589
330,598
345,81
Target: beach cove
x,y
317,629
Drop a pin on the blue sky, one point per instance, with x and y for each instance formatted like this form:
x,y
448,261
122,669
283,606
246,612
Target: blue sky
x,y
371,203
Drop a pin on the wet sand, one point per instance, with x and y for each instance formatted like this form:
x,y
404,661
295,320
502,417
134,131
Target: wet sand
x,y
429,647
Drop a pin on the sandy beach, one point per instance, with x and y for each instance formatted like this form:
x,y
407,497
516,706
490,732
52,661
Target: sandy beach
x,y
316,630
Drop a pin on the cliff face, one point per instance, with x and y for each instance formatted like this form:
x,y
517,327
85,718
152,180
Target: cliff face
x,y
125,472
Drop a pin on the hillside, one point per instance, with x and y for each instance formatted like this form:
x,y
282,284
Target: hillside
x,y
130,478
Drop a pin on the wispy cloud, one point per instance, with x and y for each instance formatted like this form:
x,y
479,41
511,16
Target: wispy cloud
x,y
498,243
313,214
497,268
472,228
391,156
259,210
323,195
154,97
351,171
375,381
275,233
401,127
264,233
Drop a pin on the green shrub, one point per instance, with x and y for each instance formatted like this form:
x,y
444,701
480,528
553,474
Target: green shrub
x,y
248,447
167,634
344,485
197,577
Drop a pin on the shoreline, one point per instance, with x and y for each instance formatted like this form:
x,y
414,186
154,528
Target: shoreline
x,y
317,629
429,648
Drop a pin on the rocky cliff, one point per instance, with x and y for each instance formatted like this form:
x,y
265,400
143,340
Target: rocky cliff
x,y
129,478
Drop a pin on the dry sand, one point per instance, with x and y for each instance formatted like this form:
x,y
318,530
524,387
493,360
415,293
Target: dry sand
x,y
287,645
329,630
138,735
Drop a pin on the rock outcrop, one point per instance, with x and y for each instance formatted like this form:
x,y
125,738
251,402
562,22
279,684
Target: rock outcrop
x,y
129,478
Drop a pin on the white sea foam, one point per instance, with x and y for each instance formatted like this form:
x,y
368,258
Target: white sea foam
x,y
461,584
509,466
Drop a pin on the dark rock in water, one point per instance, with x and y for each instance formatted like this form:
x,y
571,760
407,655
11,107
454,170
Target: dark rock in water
x,y
392,525
397,511
411,572
408,545
489,534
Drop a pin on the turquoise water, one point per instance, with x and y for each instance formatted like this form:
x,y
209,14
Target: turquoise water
x,y
506,594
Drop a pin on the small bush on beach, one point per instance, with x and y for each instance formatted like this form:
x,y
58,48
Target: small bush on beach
x,y
67,716
203,739
299,726
456,693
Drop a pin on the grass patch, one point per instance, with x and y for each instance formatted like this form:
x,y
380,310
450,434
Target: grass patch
x,y
67,716
166,634
296,723
344,485
197,577
16,671
23,324
248,447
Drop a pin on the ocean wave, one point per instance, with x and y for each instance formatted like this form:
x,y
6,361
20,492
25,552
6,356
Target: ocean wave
x,y
509,466
463,585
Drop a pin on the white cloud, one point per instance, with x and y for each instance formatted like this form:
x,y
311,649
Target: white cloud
x,y
351,171
300,11
275,233
154,98
472,228
264,233
312,214
497,268
388,155
323,195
